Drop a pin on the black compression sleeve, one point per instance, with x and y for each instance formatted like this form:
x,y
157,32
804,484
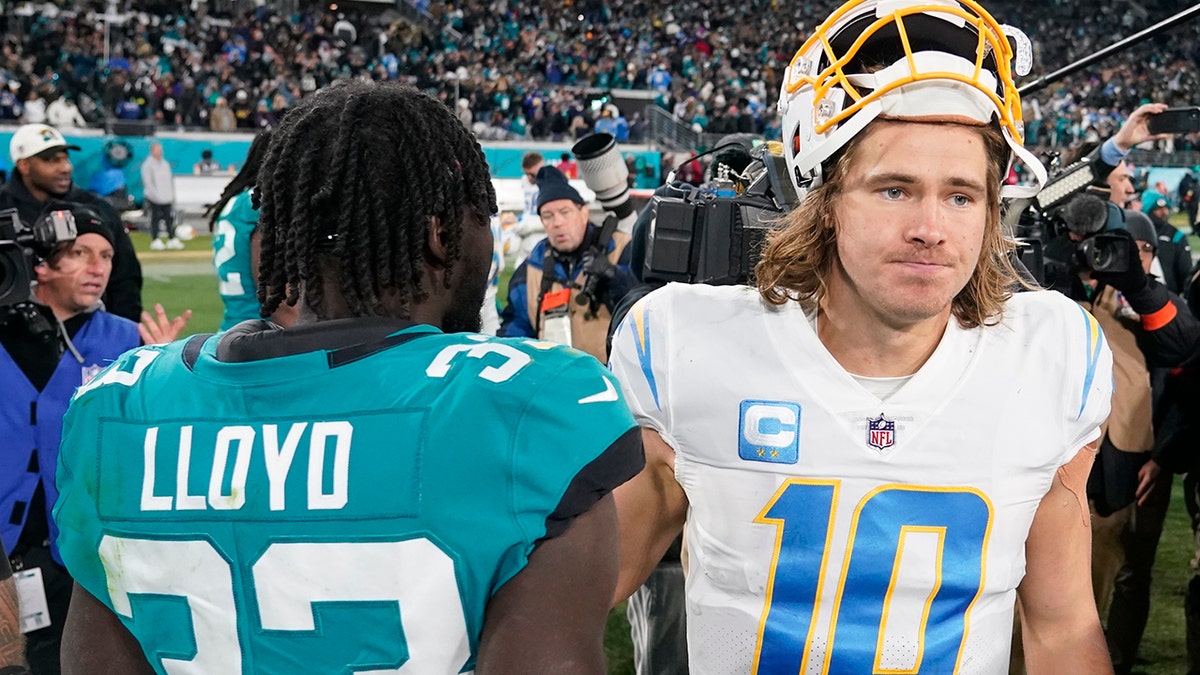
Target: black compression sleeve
x,y
617,464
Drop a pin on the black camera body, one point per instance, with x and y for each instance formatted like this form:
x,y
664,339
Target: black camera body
x,y
23,246
716,237
1067,204
1102,252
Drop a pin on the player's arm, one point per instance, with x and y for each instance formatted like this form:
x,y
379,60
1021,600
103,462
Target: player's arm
x,y
550,617
651,509
95,642
1060,628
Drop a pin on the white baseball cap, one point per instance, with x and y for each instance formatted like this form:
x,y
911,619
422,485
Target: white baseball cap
x,y
34,139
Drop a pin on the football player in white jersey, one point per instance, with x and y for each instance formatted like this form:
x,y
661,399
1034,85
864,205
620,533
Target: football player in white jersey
x,y
882,447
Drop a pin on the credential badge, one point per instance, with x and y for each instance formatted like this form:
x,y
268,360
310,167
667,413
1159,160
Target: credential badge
x,y
881,432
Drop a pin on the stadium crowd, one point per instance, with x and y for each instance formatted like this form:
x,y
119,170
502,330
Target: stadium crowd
x,y
526,69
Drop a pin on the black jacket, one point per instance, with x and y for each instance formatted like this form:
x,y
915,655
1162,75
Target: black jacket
x,y
1174,254
1174,342
1170,344
123,296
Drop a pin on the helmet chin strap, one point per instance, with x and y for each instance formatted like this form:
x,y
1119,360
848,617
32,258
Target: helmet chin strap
x,y
1033,164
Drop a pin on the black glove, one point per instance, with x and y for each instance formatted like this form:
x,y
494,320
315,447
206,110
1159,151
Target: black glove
x,y
606,283
616,285
1133,279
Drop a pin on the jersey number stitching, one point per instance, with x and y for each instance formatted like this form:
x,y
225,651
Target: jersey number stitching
x,y
288,579
953,525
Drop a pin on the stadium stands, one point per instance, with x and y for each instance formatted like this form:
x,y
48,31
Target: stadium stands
x,y
524,70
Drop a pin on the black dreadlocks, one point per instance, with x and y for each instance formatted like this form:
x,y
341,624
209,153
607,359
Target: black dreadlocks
x,y
351,178
244,178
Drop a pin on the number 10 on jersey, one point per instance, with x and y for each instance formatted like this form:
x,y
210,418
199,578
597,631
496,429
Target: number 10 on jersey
x,y
913,567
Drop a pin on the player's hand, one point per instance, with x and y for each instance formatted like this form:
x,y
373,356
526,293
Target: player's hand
x,y
158,330
1148,477
1135,129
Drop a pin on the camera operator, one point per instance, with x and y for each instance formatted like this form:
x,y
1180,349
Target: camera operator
x,y
1128,499
566,289
1168,336
42,171
47,349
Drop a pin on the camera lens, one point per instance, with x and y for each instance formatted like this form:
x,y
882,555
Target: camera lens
x,y
1102,258
14,284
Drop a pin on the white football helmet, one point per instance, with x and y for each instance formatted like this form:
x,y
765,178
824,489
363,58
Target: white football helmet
x,y
910,59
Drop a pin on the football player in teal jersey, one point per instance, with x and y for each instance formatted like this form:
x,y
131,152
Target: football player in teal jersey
x,y
233,222
370,490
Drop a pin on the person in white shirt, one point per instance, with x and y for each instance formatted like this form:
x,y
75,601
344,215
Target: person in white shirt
x,y
35,108
158,193
528,230
63,113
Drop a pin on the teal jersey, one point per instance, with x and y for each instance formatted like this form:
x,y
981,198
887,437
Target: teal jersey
x,y
330,511
231,258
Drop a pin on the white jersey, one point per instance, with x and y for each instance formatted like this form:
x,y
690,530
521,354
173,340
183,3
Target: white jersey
x,y
831,532
530,223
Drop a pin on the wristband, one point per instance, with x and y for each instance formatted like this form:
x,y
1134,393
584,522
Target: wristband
x,y
1162,317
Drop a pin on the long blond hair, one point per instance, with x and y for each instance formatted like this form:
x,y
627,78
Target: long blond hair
x,y
799,255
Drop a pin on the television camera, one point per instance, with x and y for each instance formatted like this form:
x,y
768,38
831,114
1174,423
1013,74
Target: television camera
x,y
23,246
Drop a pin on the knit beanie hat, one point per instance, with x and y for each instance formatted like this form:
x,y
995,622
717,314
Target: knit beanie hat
x,y
1140,227
552,185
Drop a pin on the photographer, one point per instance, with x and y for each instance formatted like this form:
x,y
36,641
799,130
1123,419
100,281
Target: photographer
x,y
566,289
1129,501
1168,335
42,172
47,349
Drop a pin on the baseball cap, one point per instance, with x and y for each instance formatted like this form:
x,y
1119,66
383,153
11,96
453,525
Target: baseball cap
x,y
34,139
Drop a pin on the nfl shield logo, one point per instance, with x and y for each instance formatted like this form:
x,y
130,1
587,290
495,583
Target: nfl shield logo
x,y
881,432
91,371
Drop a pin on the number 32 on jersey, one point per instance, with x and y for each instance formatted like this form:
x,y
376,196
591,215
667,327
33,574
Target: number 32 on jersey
x,y
913,567
291,580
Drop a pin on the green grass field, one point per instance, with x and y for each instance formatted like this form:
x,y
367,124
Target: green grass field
x,y
179,280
